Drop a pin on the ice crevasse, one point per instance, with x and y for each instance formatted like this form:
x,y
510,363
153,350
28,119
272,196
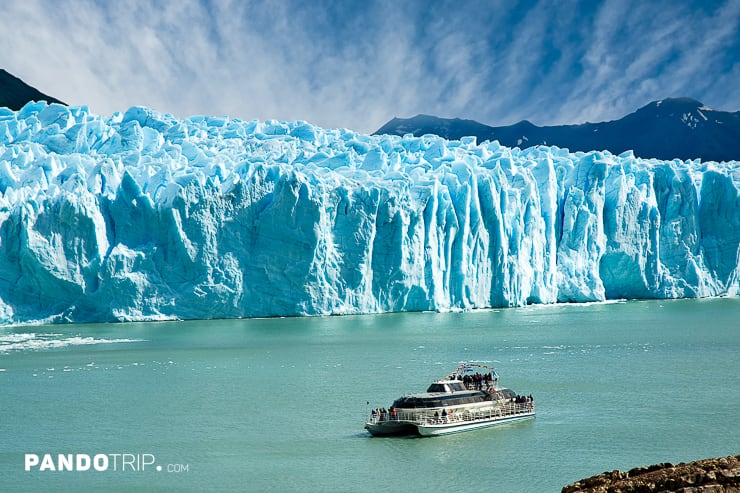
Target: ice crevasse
x,y
143,216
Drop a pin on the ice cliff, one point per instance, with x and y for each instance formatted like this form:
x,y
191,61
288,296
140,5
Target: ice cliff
x,y
145,216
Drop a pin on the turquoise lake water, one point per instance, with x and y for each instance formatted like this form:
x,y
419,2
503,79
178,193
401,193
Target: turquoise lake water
x,y
279,404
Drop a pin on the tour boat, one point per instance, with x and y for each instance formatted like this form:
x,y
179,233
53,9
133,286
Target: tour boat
x,y
467,399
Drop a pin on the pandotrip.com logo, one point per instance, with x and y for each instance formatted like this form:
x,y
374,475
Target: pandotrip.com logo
x,y
117,462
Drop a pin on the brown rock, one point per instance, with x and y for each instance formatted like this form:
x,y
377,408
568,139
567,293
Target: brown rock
x,y
720,475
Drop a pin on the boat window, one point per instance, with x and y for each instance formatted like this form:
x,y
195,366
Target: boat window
x,y
416,402
457,386
437,387
400,403
454,400
410,402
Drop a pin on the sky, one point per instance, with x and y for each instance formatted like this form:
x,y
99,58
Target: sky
x,y
358,63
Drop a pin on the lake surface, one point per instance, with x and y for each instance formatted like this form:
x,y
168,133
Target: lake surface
x,y
279,404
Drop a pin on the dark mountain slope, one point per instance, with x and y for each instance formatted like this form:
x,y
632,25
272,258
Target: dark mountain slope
x,y
14,93
672,128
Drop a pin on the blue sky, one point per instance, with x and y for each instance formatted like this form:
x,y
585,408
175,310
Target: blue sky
x,y
357,64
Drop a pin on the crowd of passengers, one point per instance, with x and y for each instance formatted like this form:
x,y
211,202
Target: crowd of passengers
x,y
476,381
382,414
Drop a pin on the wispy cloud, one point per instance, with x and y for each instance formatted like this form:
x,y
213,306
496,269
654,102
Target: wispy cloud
x,y
357,64
645,51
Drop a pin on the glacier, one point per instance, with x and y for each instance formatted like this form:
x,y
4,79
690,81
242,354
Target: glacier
x,y
144,216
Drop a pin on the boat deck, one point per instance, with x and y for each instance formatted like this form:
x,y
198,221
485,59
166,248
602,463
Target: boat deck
x,y
427,423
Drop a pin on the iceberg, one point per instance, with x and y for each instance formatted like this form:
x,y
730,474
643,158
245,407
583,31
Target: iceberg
x,y
144,216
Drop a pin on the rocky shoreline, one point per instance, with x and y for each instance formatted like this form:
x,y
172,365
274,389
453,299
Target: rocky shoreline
x,y
717,475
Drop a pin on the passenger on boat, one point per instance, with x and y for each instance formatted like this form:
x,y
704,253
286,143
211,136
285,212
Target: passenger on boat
x,y
476,381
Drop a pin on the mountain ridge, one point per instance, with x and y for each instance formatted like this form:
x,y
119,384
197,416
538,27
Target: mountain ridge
x,y
672,128
682,128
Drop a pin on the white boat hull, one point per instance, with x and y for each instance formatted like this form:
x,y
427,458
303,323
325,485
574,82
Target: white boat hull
x,y
428,430
391,428
425,425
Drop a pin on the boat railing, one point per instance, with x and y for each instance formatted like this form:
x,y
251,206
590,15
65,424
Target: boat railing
x,y
425,417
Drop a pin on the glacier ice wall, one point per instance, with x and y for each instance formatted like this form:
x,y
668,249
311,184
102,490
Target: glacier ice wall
x,y
143,216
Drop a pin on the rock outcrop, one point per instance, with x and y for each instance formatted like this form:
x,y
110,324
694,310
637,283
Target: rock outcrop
x,y
719,475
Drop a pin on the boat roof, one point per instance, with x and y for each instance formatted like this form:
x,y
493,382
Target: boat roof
x,y
456,377
469,369
432,395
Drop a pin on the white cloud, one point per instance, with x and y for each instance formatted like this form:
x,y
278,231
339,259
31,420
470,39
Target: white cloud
x,y
359,64
646,51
